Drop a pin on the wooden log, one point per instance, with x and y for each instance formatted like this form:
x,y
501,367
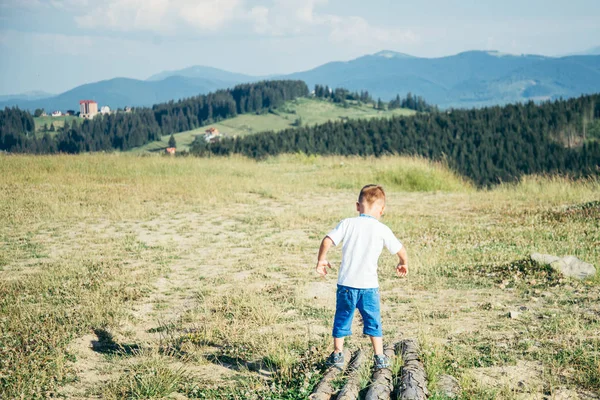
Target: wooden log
x,y
352,387
413,380
324,390
382,380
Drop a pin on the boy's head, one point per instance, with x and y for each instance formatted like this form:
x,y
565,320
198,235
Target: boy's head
x,y
371,200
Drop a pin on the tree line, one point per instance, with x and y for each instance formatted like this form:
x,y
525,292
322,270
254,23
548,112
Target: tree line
x,y
489,145
123,131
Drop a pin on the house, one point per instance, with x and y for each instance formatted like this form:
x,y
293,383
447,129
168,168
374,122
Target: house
x,y
170,150
57,114
105,110
211,135
88,109
127,109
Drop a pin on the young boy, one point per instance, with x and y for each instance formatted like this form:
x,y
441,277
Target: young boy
x,y
364,238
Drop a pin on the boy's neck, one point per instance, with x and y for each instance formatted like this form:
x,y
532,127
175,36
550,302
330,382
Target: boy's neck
x,y
365,215
374,210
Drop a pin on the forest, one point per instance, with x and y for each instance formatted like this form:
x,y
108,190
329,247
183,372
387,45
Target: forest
x,y
123,131
488,145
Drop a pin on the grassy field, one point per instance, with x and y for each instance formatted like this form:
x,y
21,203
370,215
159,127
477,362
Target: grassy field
x,y
309,111
58,122
148,277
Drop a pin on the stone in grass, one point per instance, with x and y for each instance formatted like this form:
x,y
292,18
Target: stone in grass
x,y
448,386
568,266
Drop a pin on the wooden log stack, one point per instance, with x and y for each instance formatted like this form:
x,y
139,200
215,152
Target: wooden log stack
x,y
324,389
413,380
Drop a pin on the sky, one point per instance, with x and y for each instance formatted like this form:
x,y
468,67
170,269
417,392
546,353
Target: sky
x,y
55,45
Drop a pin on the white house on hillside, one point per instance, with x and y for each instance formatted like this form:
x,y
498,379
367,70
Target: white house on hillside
x,y
105,110
57,114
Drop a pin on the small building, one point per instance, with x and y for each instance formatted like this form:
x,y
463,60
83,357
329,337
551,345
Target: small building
x,y
170,150
57,114
127,109
88,109
211,135
105,110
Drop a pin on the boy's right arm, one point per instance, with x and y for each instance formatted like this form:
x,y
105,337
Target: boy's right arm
x,y
322,262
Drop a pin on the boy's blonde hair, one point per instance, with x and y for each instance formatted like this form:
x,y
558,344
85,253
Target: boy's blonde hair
x,y
370,194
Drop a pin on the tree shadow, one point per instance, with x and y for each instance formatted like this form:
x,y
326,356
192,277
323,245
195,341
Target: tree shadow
x,y
107,345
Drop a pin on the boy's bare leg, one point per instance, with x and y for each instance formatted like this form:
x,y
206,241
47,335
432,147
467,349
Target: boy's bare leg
x,y
377,343
338,344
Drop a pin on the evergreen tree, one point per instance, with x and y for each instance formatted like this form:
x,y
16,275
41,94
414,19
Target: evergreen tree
x,y
172,141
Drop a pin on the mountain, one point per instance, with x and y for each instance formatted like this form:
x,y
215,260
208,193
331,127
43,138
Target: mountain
x,y
121,92
203,72
33,95
473,78
469,79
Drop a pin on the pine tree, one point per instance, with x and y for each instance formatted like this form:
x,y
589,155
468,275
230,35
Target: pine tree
x,y
172,141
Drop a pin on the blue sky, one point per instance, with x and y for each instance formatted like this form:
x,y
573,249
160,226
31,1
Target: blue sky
x,y
55,45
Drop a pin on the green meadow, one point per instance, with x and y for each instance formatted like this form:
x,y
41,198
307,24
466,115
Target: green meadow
x,y
131,277
303,111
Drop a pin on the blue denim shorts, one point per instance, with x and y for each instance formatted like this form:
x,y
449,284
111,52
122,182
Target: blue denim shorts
x,y
349,299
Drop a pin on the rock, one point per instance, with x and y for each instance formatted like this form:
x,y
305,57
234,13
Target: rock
x,y
543,259
568,266
448,386
514,314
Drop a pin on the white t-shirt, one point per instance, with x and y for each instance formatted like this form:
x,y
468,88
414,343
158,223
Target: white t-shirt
x,y
364,237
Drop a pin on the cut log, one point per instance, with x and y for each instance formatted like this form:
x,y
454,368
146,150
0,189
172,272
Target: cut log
x,y
383,381
324,390
413,381
352,387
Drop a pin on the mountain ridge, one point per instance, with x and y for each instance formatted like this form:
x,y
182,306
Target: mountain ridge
x,y
468,79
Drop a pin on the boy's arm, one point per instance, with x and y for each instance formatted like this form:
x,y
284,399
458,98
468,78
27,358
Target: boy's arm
x,y
402,267
322,262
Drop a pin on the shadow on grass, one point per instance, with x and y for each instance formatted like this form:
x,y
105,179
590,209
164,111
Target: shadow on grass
x,y
107,345
238,364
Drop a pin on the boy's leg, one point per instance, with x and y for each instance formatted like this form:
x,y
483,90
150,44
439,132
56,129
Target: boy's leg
x,y
368,305
338,344
345,305
377,343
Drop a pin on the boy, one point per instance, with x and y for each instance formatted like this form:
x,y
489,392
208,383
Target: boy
x,y
364,238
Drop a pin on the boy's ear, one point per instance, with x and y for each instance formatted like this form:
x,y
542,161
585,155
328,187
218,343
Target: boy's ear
x,y
357,206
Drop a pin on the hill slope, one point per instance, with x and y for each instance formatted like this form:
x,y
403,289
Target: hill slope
x,y
310,111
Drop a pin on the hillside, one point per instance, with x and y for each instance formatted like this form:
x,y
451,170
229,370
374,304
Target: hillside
x,y
310,111
489,145
475,78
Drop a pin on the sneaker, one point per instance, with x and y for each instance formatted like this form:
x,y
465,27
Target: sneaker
x,y
381,362
335,359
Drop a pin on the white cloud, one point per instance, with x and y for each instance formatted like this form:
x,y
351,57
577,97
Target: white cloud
x,y
161,16
301,17
276,18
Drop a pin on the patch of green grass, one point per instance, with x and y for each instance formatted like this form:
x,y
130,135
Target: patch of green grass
x,y
58,122
309,110
151,378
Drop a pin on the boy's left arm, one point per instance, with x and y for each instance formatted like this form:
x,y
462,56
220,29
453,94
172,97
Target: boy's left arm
x,y
402,267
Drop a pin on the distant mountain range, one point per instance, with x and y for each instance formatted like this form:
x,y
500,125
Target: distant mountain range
x,y
469,79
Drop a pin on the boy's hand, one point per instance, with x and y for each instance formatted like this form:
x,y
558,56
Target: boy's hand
x,y
322,266
401,270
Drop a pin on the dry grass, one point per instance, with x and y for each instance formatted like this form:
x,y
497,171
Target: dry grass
x,y
139,277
